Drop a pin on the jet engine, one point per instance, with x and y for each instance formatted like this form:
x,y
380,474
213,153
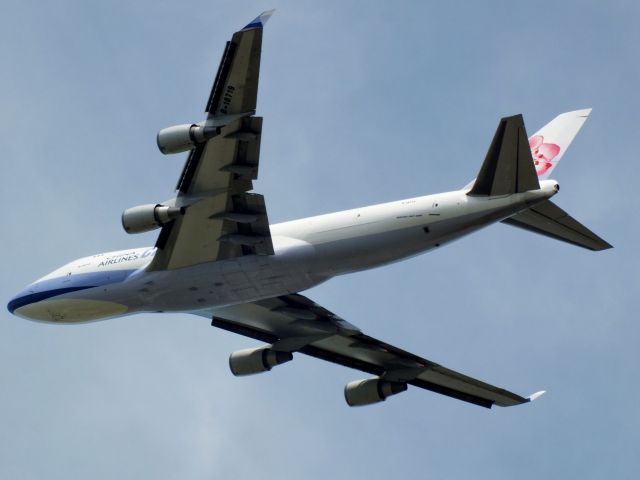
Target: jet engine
x,y
181,138
371,390
256,360
144,218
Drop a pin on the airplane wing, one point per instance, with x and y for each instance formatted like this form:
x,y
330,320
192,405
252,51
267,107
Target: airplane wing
x,y
294,323
221,219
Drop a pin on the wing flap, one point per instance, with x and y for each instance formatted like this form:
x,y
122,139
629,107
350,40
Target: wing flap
x,y
213,187
228,161
221,220
238,226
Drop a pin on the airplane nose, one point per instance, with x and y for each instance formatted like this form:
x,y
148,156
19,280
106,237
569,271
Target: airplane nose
x,y
13,304
24,298
32,302
49,301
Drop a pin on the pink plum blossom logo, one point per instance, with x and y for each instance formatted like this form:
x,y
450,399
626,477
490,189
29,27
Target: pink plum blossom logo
x,y
542,153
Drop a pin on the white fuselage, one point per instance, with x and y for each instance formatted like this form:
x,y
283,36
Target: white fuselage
x,y
307,252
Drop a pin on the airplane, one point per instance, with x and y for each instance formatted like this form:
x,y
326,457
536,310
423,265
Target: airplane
x,y
217,256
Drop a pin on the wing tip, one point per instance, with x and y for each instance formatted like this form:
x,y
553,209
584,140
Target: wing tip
x,y
535,396
260,20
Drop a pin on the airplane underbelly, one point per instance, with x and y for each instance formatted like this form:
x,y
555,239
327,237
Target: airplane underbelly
x,y
70,310
373,250
230,281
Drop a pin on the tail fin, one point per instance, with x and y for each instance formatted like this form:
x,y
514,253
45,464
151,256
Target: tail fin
x,y
550,142
512,166
548,219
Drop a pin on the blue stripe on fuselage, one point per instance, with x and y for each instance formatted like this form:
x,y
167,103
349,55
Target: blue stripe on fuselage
x,y
21,301
53,287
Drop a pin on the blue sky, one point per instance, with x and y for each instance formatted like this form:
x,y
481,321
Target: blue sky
x,y
363,103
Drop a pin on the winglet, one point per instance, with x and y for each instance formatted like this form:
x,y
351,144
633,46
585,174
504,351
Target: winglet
x,y
536,395
260,20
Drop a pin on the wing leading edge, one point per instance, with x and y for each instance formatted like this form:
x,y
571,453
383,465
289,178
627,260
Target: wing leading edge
x,y
294,323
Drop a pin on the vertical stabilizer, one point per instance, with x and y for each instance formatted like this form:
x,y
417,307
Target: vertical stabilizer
x,y
550,142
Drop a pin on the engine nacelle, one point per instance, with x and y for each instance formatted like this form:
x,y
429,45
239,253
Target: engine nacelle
x,y
181,138
371,390
256,360
144,218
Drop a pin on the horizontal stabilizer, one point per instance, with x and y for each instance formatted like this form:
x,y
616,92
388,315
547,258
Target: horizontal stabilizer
x,y
548,219
508,167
